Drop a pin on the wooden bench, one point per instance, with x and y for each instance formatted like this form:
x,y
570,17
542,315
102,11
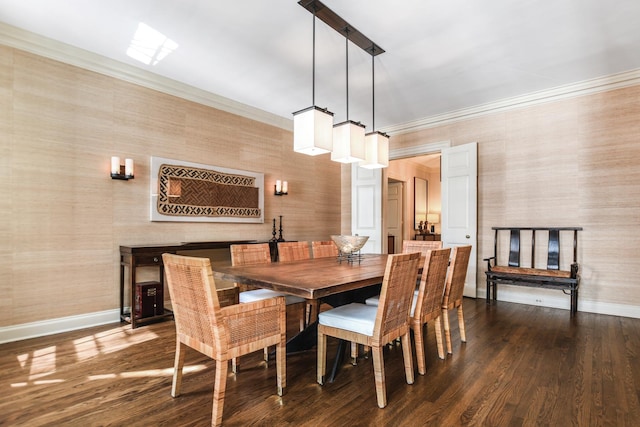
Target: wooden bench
x,y
551,277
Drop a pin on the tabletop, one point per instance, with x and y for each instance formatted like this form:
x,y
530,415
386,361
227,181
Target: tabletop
x,y
310,279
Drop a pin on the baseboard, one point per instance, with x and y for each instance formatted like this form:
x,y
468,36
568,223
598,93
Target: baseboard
x,y
556,299
55,326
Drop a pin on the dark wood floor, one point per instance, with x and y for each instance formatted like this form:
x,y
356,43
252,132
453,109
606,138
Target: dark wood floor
x,y
522,365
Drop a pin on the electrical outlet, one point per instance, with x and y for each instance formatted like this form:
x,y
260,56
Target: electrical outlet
x,y
538,300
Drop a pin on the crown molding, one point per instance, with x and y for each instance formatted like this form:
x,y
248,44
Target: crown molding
x,y
39,45
586,87
48,48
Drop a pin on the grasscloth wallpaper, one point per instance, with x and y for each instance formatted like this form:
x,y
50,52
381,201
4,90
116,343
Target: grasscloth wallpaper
x,y
62,219
574,162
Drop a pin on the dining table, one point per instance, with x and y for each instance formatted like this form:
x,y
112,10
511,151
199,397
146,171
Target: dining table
x,y
332,280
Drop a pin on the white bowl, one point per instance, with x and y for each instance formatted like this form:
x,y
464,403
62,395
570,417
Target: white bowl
x,y
349,244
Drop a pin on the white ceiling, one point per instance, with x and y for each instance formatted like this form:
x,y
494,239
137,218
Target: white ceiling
x,y
441,56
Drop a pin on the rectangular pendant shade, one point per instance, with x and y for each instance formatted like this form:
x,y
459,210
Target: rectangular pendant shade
x,y
312,131
376,146
348,142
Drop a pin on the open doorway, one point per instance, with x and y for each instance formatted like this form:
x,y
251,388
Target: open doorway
x,y
404,173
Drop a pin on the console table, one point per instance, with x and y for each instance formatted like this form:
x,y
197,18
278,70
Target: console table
x,y
427,237
132,257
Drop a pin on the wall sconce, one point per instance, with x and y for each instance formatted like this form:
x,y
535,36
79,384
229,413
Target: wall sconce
x,y
119,171
281,188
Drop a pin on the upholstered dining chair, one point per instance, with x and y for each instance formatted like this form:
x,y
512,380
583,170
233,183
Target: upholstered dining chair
x,y
427,302
324,249
375,326
220,333
259,253
453,291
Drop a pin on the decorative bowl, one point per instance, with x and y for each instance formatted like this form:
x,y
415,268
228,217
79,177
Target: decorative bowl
x,y
349,244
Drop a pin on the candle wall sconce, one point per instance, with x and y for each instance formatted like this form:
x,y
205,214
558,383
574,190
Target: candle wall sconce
x,y
281,188
119,171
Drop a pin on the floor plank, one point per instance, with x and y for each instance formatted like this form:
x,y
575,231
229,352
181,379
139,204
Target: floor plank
x,y
522,365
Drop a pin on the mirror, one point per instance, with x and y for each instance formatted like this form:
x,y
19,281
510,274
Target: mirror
x,y
420,193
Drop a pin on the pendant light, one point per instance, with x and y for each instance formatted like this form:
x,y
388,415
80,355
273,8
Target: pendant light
x,y
348,136
312,127
376,143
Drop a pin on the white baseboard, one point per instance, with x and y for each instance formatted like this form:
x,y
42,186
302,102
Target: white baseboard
x,y
55,326
531,296
556,299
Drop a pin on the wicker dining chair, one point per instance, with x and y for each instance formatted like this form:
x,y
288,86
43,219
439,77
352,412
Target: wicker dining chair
x,y
220,333
427,302
420,246
375,326
453,291
324,249
293,251
409,246
251,254
297,251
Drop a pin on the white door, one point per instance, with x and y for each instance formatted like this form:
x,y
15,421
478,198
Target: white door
x,y
459,204
366,207
394,215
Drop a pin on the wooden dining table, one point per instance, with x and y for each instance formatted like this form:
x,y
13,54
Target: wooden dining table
x,y
311,279
328,279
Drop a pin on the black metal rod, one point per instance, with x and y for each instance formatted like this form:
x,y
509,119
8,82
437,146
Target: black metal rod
x,y
313,61
346,30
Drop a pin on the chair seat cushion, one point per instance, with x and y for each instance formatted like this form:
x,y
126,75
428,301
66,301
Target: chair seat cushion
x,y
374,301
260,294
359,318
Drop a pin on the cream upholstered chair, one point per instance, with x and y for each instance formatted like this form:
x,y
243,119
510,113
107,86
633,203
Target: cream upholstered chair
x,y
324,249
427,302
219,332
249,254
375,326
453,291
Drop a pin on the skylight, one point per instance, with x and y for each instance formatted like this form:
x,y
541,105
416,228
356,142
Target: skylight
x,y
150,46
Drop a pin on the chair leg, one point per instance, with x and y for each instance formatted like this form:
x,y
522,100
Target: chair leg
x,y
447,332
218,392
322,357
408,357
378,372
177,370
463,334
235,366
281,366
418,338
303,316
438,327
266,354
354,353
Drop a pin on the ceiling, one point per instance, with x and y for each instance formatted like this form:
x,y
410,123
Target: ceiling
x,y
440,56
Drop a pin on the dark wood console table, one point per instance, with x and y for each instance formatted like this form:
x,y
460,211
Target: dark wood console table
x,y
132,257
427,237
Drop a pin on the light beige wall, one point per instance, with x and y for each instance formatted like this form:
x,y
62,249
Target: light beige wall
x,y
573,162
62,218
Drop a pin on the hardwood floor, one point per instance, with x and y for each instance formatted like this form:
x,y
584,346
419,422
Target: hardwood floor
x,y
522,365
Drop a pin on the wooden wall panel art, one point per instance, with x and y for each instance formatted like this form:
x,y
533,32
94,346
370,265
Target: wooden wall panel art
x,y
193,192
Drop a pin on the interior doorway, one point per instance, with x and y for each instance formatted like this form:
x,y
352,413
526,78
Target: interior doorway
x,y
405,171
